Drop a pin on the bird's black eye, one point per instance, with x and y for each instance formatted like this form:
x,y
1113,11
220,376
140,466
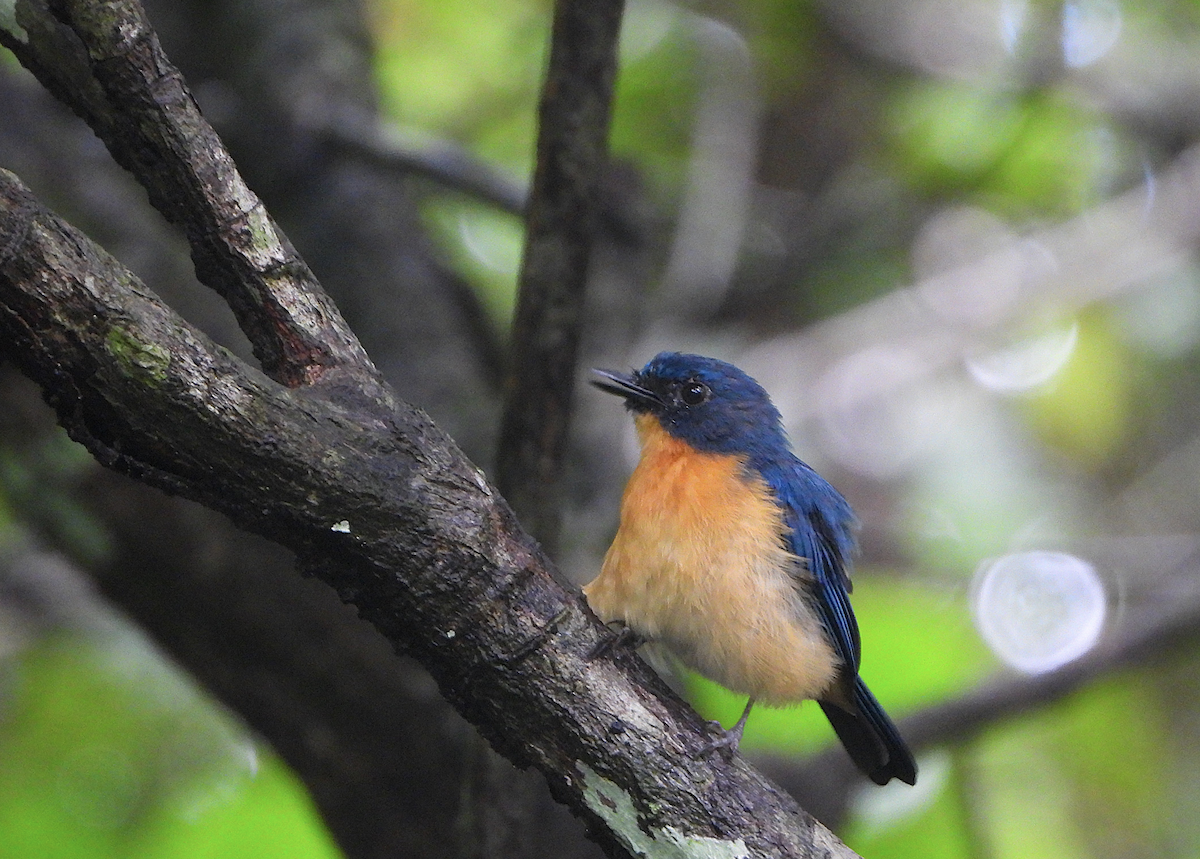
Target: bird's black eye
x,y
694,393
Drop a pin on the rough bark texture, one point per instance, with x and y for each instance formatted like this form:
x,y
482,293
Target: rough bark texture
x,y
319,456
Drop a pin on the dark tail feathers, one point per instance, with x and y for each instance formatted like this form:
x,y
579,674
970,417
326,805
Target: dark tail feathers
x,y
871,739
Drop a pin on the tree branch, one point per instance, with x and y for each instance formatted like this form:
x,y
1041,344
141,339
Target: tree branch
x,y
104,60
571,152
382,506
444,162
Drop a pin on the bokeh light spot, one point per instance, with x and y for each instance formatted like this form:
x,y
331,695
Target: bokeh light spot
x,y
1026,364
1090,28
1039,610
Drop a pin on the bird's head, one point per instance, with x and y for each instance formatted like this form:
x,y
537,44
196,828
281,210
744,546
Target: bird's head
x,y
712,405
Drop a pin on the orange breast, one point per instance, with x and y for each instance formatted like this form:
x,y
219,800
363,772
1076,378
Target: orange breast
x,y
699,564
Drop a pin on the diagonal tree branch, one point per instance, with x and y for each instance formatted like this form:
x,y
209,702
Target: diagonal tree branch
x,y
383,507
118,79
442,161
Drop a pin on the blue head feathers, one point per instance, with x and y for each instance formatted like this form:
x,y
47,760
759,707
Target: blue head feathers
x,y
717,408
712,405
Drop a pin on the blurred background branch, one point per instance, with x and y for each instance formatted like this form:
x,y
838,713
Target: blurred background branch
x,y
442,161
560,230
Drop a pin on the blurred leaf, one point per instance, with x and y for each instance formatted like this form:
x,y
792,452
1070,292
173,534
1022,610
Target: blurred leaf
x,y
1082,778
106,751
1023,156
1022,799
1111,743
1086,409
938,829
267,817
460,68
948,135
655,93
485,245
1063,159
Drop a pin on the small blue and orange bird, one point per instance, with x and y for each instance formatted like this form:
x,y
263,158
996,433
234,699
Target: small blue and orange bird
x,y
733,553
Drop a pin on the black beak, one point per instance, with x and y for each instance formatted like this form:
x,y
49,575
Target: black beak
x,y
625,385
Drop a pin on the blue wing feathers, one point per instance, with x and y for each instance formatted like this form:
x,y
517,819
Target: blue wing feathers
x,y
821,531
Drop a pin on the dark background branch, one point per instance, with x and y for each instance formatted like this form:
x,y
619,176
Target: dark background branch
x,y
573,120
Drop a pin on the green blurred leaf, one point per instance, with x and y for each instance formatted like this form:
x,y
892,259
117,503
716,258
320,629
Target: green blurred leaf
x,y
464,68
948,135
1022,155
1086,410
485,245
107,751
937,828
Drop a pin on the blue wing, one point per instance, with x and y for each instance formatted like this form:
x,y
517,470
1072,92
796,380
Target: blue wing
x,y
821,531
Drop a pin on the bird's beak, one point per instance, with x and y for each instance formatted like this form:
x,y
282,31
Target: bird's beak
x,y
625,385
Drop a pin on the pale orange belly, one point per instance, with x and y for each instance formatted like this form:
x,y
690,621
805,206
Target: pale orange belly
x,y
699,565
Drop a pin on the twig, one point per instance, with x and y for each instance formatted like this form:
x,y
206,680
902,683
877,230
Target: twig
x,y
444,162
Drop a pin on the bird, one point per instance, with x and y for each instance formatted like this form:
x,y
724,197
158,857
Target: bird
x,y
734,554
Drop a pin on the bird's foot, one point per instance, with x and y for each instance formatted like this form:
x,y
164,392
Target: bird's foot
x,y
727,741
730,739
622,638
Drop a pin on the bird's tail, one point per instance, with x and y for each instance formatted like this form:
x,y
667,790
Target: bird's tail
x,y
871,738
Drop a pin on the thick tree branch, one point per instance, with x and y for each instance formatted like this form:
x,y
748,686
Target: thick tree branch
x,y
572,148
272,77
381,505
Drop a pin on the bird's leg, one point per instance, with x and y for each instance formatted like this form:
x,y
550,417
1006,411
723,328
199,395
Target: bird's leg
x,y
623,637
732,738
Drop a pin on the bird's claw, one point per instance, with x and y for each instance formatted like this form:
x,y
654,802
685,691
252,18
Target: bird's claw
x,y
623,637
730,739
727,741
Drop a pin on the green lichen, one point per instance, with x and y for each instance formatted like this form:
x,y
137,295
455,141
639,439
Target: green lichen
x,y
144,360
616,807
